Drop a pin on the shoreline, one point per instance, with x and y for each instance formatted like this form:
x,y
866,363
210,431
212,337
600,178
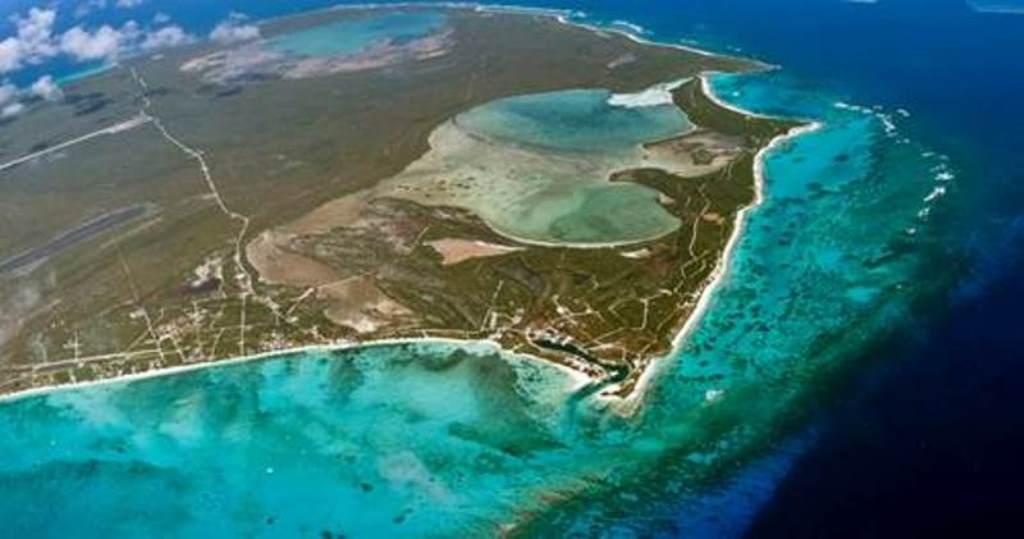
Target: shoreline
x,y
630,403
579,246
579,380
633,401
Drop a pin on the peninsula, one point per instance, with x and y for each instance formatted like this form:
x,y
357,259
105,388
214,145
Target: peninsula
x,y
567,192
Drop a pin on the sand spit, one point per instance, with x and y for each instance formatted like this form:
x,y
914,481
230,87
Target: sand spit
x,y
578,379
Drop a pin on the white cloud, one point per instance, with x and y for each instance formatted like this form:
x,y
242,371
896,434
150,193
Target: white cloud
x,y
161,18
35,33
110,44
32,42
10,55
103,44
11,96
46,88
87,7
90,6
11,110
168,36
233,29
8,93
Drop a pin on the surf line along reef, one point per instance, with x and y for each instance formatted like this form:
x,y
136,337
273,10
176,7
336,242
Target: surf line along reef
x,y
567,192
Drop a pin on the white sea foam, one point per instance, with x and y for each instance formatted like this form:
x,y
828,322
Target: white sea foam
x,y
850,107
887,120
511,8
713,395
575,379
995,7
887,123
635,28
660,94
942,171
936,193
632,402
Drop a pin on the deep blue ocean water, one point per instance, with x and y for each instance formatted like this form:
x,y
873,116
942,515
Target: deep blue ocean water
x,y
926,440
918,431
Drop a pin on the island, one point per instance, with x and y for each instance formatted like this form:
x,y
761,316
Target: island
x,y
570,193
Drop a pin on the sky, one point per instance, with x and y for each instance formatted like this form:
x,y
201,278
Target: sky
x,y
38,39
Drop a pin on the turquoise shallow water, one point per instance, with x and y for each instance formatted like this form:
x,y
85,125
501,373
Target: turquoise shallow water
x,y
432,441
354,36
574,120
397,440
826,264
426,441
958,102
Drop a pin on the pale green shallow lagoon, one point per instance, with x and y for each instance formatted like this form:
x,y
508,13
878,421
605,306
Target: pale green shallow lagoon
x,y
580,120
537,167
348,37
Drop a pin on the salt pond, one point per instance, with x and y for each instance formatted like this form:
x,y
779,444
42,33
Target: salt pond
x,y
537,167
353,36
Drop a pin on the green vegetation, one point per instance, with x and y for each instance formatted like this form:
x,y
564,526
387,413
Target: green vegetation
x,y
174,287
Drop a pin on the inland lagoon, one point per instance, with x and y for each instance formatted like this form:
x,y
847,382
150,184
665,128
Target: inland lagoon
x,y
537,167
584,121
351,37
